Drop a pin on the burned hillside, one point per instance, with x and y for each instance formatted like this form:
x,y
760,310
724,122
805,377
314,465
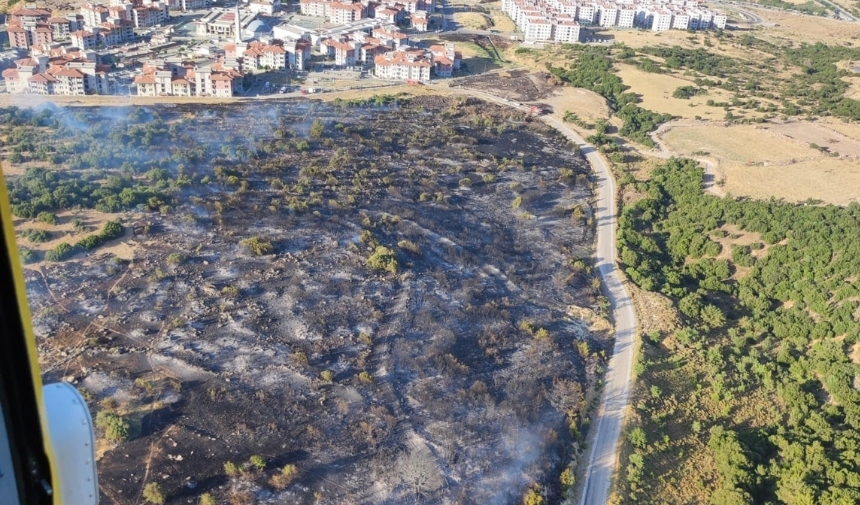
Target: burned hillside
x,y
383,301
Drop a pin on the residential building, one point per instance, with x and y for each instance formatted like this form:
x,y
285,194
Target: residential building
x,y
259,56
404,64
23,15
60,28
531,16
152,14
180,78
662,20
85,39
445,59
62,75
419,21
94,14
343,13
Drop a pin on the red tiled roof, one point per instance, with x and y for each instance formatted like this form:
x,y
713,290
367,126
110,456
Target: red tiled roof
x,y
26,62
10,73
69,72
43,78
144,79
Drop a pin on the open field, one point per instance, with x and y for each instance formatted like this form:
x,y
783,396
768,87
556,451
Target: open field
x,y
473,20
656,94
851,130
785,28
588,105
736,144
829,180
759,162
822,135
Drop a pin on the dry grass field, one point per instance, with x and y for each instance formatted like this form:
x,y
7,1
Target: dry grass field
x,y
473,20
656,94
588,105
821,135
736,144
785,28
759,163
851,130
830,180
502,22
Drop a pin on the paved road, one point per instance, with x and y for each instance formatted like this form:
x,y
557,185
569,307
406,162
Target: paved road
x,y
602,452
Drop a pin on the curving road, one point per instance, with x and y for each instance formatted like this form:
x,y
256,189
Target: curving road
x,y
602,451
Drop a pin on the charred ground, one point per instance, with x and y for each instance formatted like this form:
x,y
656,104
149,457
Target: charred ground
x,y
451,373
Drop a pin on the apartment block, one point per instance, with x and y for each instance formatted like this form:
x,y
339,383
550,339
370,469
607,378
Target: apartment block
x,y
531,16
189,79
63,75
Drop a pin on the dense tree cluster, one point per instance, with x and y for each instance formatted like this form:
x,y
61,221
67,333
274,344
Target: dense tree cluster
x,y
593,70
782,327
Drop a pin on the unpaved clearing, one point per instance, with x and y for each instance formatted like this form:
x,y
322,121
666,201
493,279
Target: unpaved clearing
x,y
473,20
784,27
656,94
830,180
588,105
737,144
851,130
814,133
759,162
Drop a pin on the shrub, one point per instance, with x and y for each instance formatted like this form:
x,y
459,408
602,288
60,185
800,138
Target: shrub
x,y
152,494
207,499
175,258
60,253
27,256
365,377
257,462
258,246
231,469
36,236
409,246
327,375
517,202
116,428
465,182
383,258
285,477
47,217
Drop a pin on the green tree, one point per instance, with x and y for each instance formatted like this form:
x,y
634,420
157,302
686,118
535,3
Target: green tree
x,y
116,427
152,494
317,129
383,258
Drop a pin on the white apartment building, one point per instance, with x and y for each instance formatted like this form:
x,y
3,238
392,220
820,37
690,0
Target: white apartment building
x,y
403,65
680,20
566,31
626,17
658,15
607,15
537,28
662,20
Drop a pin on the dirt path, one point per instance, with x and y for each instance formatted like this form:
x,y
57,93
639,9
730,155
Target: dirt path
x,y
711,177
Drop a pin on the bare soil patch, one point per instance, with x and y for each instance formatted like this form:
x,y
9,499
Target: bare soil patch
x,y
821,135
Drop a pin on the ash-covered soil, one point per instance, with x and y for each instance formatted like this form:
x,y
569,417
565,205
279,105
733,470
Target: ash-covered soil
x,y
456,379
518,85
